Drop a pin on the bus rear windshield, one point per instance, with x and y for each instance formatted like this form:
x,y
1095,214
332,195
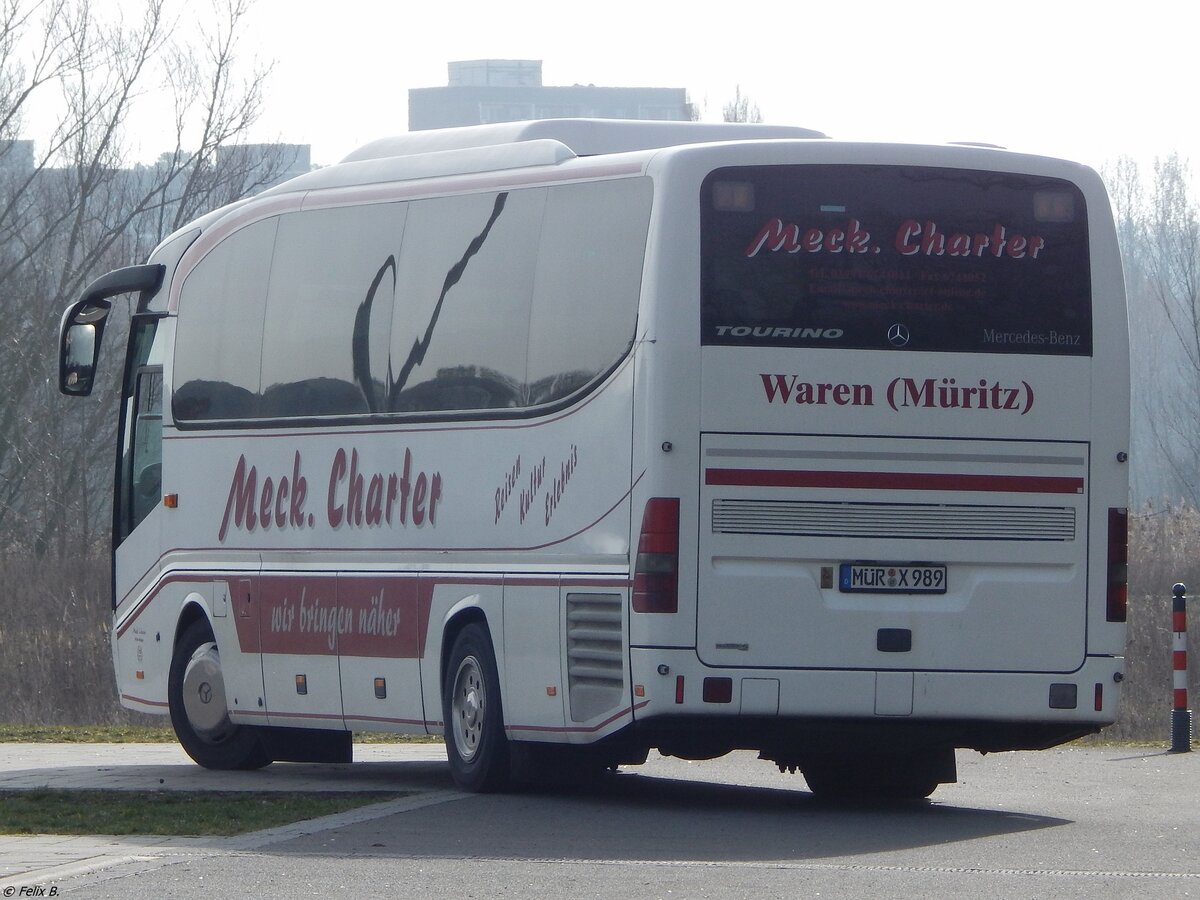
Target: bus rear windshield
x,y
894,257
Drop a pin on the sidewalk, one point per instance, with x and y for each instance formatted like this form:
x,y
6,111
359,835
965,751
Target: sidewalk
x,y
417,769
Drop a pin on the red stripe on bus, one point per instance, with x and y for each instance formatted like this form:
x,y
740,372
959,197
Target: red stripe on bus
x,y
611,583
553,729
374,616
307,716
895,481
389,721
132,699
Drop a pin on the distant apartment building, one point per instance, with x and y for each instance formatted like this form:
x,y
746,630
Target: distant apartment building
x,y
16,157
482,91
284,161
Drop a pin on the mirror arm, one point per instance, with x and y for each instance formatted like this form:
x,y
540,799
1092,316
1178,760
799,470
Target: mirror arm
x,y
93,306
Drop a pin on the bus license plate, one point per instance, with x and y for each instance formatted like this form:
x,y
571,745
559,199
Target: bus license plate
x,y
891,578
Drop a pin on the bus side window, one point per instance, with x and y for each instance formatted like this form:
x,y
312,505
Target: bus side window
x,y
145,477
586,293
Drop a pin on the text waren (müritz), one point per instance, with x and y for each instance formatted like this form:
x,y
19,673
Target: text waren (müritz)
x,y
902,393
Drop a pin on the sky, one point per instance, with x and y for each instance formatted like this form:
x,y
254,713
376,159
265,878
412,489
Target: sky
x,y
1088,81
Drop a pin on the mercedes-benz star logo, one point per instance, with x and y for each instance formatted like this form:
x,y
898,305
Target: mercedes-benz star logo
x,y
898,335
206,693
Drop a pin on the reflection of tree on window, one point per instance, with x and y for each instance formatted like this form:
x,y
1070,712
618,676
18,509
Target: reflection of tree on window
x,y
417,354
313,397
360,350
334,311
203,399
558,387
461,387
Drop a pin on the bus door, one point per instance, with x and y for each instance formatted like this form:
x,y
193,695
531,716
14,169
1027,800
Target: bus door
x,y
138,503
138,506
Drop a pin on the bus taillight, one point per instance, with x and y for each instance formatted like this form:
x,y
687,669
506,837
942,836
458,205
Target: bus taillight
x,y
1118,564
656,573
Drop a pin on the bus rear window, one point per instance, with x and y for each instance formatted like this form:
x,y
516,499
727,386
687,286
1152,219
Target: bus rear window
x,y
895,257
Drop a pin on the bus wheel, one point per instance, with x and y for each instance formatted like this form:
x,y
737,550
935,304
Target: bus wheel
x,y
555,766
196,695
475,742
870,778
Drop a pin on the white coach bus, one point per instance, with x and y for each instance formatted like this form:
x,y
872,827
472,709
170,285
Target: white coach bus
x,y
574,439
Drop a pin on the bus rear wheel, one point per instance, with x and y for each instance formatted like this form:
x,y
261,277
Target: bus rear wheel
x,y
868,777
199,714
476,745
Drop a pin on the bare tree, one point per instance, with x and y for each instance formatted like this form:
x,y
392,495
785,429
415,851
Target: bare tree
x,y
80,207
1172,260
1159,227
740,109
215,106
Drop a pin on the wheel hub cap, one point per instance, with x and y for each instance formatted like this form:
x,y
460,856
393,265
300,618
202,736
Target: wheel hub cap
x,y
204,694
468,711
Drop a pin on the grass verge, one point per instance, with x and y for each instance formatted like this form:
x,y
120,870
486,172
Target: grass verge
x,y
85,734
174,813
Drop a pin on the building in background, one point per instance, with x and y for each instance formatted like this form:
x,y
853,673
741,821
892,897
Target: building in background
x,y
16,157
282,161
482,91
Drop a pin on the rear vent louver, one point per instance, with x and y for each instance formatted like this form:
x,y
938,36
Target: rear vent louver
x,y
894,520
595,654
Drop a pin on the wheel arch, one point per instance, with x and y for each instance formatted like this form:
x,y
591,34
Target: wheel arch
x,y
463,614
191,612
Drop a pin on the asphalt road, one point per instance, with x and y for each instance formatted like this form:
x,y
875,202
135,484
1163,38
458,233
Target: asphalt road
x,y
1093,822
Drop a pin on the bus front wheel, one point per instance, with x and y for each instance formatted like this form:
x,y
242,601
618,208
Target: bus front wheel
x,y
476,745
199,714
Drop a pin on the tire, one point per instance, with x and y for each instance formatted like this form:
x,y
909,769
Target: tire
x,y
476,746
554,766
869,778
199,714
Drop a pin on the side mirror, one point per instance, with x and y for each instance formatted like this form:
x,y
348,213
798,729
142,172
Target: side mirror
x,y
83,324
79,350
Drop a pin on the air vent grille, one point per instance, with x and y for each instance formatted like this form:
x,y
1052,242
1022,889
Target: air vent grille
x,y
894,520
595,654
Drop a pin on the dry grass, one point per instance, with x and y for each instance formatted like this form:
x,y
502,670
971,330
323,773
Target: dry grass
x,y
1164,548
55,660
56,667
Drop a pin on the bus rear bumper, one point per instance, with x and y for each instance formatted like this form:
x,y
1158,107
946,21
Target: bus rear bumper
x,y
833,709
